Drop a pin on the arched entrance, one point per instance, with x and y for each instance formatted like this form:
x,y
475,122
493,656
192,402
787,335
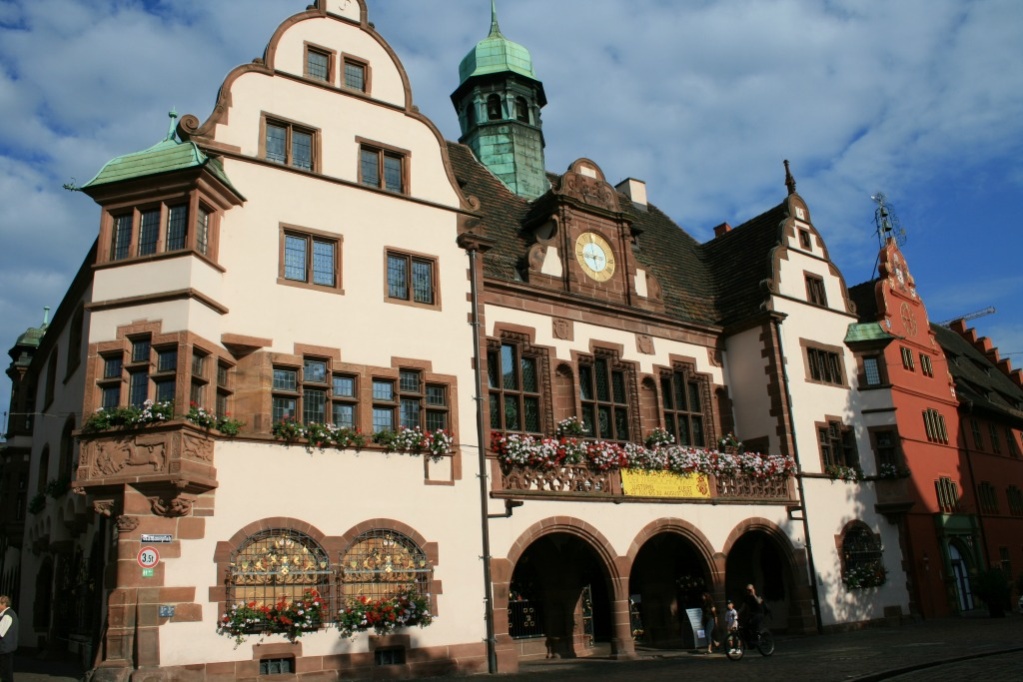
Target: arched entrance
x,y
669,575
758,558
559,599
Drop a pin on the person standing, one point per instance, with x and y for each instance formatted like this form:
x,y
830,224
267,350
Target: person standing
x,y
709,621
8,638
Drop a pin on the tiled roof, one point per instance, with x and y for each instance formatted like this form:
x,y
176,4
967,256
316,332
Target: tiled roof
x,y
863,296
741,261
716,283
163,157
978,380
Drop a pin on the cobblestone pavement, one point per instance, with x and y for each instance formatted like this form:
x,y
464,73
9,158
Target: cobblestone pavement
x,y
940,650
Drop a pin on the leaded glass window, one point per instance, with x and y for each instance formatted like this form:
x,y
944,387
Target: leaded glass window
x,y
381,563
276,564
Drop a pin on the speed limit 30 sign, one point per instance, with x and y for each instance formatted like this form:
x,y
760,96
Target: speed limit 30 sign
x,y
148,557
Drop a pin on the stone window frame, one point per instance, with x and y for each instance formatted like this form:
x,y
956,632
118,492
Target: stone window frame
x,y
926,366
881,368
523,342
831,362
934,426
367,74
947,494
196,203
852,556
331,55
267,119
987,498
613,356
382,152
312,236
897,458
334,547
816,294
834,439
412,257
687,368
119,350
907,359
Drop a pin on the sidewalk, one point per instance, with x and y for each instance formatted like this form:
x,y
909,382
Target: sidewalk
x,y
862,655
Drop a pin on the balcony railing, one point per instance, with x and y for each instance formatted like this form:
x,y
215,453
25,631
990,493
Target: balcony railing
x,y
579,481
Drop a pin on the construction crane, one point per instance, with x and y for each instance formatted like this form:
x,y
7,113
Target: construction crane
x,y
990,310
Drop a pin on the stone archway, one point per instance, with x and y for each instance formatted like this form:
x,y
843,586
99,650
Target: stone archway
x,y
759,553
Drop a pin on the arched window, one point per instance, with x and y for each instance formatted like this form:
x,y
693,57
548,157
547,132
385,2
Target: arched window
x,y
381,563
493,107
521,110
862,558
275,564
470,115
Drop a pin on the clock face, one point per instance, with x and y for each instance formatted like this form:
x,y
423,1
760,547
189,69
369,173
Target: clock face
x,y
595,256
908,320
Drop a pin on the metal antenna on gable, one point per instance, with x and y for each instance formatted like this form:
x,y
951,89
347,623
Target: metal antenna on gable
x,y
886,222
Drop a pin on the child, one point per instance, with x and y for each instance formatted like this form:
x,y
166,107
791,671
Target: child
x,y
731,617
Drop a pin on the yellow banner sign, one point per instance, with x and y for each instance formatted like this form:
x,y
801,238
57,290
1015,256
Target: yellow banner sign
x,y
638,483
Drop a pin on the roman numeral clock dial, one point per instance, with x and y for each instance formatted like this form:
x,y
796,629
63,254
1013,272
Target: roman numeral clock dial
x,y
595,256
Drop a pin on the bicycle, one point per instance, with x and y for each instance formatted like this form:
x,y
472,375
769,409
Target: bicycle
x,y
739,640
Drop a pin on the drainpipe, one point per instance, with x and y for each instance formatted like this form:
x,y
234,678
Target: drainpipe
x,y
799,480
476,245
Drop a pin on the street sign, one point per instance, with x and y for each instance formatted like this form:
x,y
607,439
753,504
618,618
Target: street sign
x,y
147,573
158,537
148,557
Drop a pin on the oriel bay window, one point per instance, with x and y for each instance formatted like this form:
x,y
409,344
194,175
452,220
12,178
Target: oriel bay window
x,y
604,389
514,385
684,397
138,232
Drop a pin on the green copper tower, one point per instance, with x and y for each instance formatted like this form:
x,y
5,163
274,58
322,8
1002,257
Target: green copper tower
x,y
498,101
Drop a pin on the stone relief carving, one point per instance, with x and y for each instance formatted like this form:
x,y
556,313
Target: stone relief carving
x,y
103,507
126,524
172,506
590,191
129,453
645,344
563,329
193,447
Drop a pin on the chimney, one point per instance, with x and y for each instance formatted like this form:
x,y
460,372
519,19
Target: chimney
x,y
635,190
721,229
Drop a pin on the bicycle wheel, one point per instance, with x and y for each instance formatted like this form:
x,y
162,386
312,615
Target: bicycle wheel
x,y
766,643
734,646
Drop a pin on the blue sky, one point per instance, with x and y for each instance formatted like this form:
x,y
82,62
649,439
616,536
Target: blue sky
x,y
920,99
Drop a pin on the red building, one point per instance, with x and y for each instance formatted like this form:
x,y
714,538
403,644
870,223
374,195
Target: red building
x,y
956,411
